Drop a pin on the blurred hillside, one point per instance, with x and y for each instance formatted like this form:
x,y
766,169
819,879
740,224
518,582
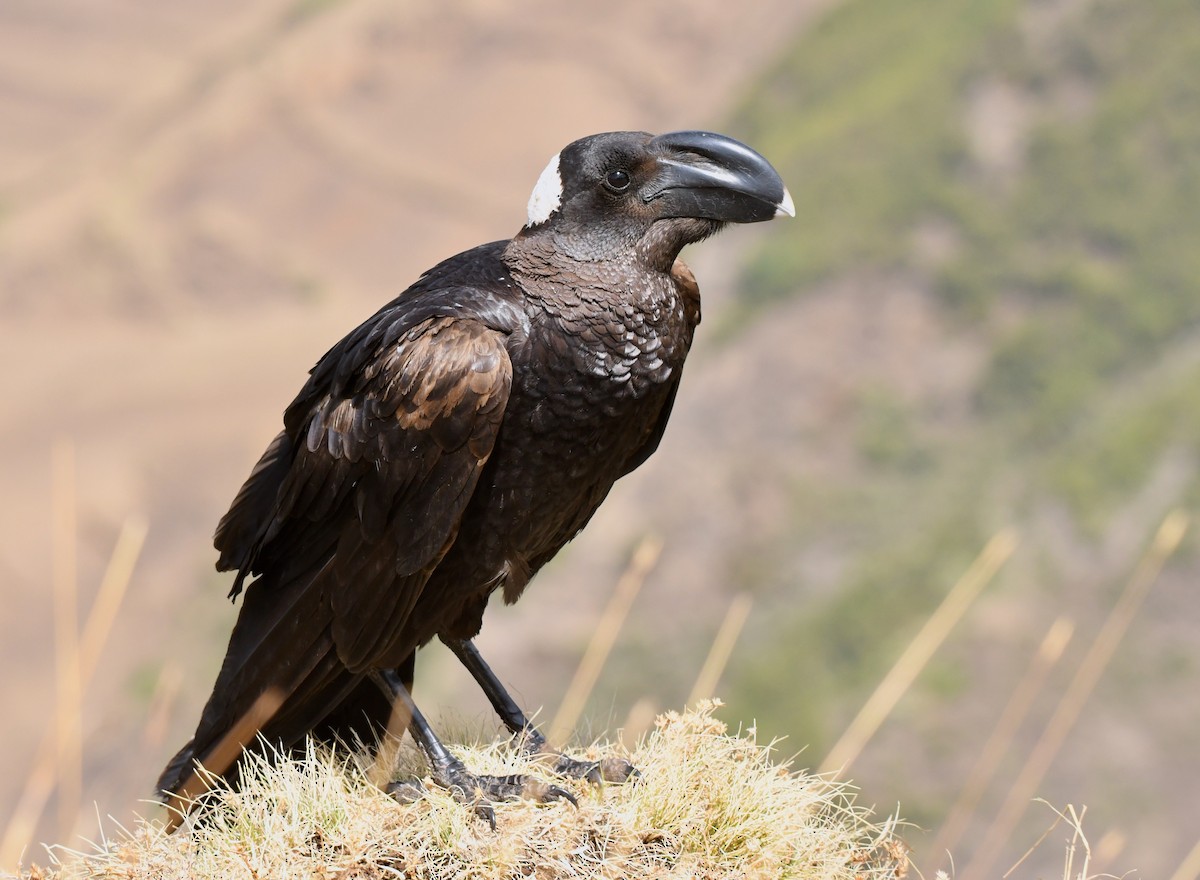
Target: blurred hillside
x,y
984,315
1008,192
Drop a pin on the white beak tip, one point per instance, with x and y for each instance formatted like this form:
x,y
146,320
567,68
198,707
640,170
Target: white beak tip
x,y
786,207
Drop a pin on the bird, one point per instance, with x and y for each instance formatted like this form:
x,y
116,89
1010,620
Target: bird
x,y
449,446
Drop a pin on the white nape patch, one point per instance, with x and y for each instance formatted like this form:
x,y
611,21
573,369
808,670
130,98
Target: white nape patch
x,y
547,194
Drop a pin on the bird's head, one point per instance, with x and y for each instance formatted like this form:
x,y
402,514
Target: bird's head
x,y
627,190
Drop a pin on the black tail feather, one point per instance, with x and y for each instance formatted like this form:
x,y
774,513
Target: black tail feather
x,y
281,646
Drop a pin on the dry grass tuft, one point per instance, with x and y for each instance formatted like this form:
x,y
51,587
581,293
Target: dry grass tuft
x,y
708,805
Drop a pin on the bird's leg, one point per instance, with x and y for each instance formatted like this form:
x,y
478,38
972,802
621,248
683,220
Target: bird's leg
x,y
406,672
391,683
527,739
450,773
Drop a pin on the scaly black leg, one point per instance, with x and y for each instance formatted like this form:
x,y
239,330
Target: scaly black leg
x,y
527,739
450,773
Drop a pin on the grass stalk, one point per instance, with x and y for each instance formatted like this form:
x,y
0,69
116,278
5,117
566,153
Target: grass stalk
x,y
915,657
222,756
384,765
604,637
639,720
69,690
47,764
162,702
721,650
1189,868
1048,654
113,585
1165,542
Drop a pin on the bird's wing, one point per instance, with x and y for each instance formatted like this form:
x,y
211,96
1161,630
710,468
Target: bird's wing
x,y
364,490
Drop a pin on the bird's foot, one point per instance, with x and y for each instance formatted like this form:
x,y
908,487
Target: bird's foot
x,y
596,772
480,791
532,744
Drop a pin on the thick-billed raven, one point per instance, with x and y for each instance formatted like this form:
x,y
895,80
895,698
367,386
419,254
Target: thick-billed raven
x,y
451,445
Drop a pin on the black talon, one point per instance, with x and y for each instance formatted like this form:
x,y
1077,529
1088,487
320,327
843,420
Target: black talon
x,y
509,788
467,789
595,775
485,812
547,793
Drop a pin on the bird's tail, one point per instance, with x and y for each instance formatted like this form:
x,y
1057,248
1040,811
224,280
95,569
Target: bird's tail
x,y
170,781
280,679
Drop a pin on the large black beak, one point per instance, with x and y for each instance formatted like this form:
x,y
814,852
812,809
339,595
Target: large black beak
x,y
713,177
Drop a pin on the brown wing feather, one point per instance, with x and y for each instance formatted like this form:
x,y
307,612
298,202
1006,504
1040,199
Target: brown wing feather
x,y
389,469
345,517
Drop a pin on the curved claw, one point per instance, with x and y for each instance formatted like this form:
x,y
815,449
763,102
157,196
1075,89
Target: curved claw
x,y
544,792
485,811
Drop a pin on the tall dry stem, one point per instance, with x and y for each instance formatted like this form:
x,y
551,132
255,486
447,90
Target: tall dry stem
x,y
915,657
1189,868
69,692
722,649
604,637
1165,542
1048,654
47,762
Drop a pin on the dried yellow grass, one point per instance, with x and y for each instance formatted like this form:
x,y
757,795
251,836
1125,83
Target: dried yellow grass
x,y
708,804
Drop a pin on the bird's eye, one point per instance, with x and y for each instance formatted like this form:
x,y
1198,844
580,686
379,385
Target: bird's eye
x,y
617,180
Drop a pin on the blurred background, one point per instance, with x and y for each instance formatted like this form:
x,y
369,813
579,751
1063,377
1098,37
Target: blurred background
x,y
983,326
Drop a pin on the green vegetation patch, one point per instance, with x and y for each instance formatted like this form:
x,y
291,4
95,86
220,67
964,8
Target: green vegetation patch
x,y
1075,263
